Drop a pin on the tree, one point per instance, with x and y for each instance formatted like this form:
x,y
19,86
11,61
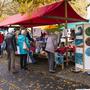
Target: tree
x,y
80,6
7,8
11,8
30,5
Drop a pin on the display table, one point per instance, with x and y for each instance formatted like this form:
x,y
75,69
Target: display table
x,y
60,54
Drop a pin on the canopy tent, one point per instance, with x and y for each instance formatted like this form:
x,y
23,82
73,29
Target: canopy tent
x,y
46,15
56,13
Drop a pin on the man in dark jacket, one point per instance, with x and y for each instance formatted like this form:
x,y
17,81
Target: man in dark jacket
x,y
11,48
29,37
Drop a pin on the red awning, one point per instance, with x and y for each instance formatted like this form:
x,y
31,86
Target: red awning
x,y
46,15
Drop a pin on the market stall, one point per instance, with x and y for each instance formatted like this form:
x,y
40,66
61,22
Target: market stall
x,y
56,13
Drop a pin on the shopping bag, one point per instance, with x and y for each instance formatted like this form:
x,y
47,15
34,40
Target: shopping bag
x,y
18,50
24,45
37,50
29,59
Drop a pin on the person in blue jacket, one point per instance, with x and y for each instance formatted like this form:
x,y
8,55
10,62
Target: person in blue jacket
x,y
23,52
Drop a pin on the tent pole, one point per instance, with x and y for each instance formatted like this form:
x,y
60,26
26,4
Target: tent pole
x,y
32,31
66,1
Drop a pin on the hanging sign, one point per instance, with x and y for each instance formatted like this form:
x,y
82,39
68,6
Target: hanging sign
x,y
87,46
79,47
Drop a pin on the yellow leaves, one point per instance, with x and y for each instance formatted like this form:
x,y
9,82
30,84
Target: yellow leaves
x,y
80,6
49,1
30,5
45,2
46,27
52,28
24,7
2,17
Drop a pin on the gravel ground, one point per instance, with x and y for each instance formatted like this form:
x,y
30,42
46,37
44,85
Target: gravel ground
x,y
38,78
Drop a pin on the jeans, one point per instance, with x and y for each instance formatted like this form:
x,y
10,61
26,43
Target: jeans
x,y
51,60
23,61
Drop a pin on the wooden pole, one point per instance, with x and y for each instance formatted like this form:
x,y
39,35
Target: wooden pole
x,y
83,51
32,31
66,29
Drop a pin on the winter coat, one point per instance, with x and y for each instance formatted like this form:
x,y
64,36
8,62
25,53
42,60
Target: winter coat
x,y
21,39
10,42
29,37
1,38
51,44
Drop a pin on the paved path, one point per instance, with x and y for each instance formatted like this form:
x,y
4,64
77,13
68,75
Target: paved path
x,y
36,79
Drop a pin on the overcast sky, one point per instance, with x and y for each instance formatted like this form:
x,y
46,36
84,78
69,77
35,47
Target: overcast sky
x,y
88,0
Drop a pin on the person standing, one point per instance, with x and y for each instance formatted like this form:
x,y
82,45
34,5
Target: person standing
x,y
23,42
29,36
11,49
1,41
51,45
3,46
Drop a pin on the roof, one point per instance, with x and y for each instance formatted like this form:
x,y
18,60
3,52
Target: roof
x,y
46,15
